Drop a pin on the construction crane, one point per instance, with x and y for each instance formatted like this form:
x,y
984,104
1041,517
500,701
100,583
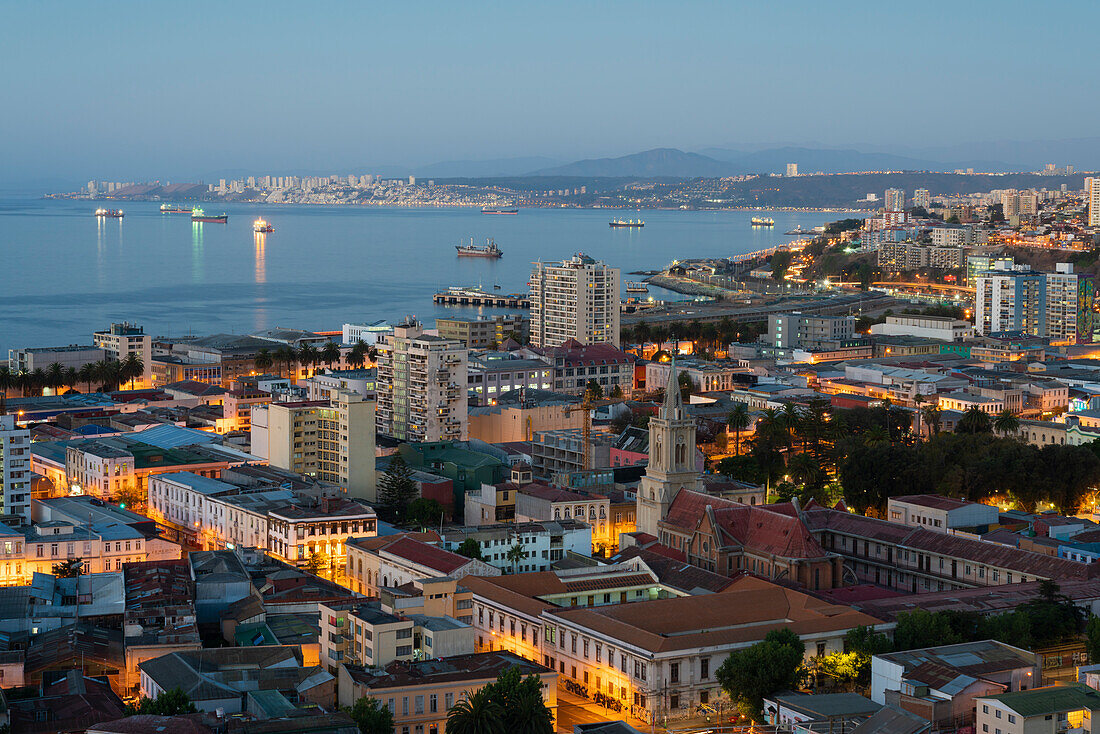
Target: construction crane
x,y
588,404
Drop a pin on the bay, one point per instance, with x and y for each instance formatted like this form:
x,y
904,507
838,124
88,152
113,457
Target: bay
x,y
66,273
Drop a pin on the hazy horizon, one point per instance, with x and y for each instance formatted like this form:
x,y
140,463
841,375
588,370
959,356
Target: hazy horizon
x,y
130,91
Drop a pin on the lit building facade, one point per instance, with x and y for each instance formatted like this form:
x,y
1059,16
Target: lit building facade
x,y
574,299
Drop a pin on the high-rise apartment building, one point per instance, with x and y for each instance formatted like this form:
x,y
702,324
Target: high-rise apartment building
x,y
1092,195
1020,299
574,299
792,169
894,210
421,385
15,468
331,439
1061,305
922,198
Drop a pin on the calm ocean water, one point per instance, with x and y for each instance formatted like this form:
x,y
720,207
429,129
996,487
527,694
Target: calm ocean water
x,y
66,274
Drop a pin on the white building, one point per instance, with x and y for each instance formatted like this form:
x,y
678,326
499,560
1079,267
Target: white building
x,y
1072,708
922,198
943,328
122,340
940,514
1092,197
1015,298
894,211
370,334
792,170
421,386
15,468
574,299
543,543
1061,305
33,358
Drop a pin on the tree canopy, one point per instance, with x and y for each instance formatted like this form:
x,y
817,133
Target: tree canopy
x,y
774,664
371,716
396,489
170,703
512,704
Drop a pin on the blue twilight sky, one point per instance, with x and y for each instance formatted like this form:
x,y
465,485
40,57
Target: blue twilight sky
x,y
124,90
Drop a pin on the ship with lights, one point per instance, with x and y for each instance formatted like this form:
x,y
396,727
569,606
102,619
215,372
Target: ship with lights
x,y
614,223
109,213
261,225
197,215
173,209
763,222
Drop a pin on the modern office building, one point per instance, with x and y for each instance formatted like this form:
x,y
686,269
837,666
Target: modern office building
x,y
15,468
421,385
330,439
574,299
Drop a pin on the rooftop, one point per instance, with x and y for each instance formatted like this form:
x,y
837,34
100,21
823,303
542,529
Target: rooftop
x,y
1050,699
475,667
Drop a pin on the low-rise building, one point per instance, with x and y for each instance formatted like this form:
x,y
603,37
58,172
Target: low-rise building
x,y
943,328
563,451
367,634
542,543
942,514
395,560
540,502
419,694
40,358
1072,707
480,332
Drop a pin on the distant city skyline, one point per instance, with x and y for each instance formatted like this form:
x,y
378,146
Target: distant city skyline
x,y
127,91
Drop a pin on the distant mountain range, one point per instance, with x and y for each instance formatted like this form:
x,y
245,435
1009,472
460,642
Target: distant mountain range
x,y
713,162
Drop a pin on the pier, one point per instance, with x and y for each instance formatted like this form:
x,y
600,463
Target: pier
x,y
475,297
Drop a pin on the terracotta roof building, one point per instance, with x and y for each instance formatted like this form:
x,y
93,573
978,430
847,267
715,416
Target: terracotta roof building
x,y
728,537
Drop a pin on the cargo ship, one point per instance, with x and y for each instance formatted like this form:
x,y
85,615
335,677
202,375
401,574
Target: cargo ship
x,y
114,213
261,226
763,222
197,215
633,286
499,210
471,250
173,209
625,223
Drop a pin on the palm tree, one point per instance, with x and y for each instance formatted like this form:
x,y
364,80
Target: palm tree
x,y
55,376
1006,423
86,373
477,714
358,354
738,420
974,420
930,415
308,356
132,368
288,356
72,377
642,332
330,354
660,334
528,714
7,379
263,360
792,422
514,555
38,380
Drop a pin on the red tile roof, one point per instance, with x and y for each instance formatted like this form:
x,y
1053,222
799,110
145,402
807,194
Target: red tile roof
x,y
423,554
769,529
688,507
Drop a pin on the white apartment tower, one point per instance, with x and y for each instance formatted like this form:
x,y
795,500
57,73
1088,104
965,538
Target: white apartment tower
x,y
792,170
922,198
894,210
421,385
574,299
1092,195
15,468
671,459
1061,305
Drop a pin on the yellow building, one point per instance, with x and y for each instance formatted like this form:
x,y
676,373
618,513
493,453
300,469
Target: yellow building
x,y
419,694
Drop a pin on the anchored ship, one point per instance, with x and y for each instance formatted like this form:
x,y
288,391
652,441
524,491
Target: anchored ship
x,y
173,209
625,223
261,226
633,286
499,210
490,249
763,222
197,215
115,213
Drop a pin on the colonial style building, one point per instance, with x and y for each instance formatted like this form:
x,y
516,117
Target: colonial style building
x,y
671,460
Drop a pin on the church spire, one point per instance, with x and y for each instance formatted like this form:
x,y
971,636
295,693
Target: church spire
x,y
673,407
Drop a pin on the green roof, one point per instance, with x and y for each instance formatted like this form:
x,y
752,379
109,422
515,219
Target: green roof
x,y
1050,699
